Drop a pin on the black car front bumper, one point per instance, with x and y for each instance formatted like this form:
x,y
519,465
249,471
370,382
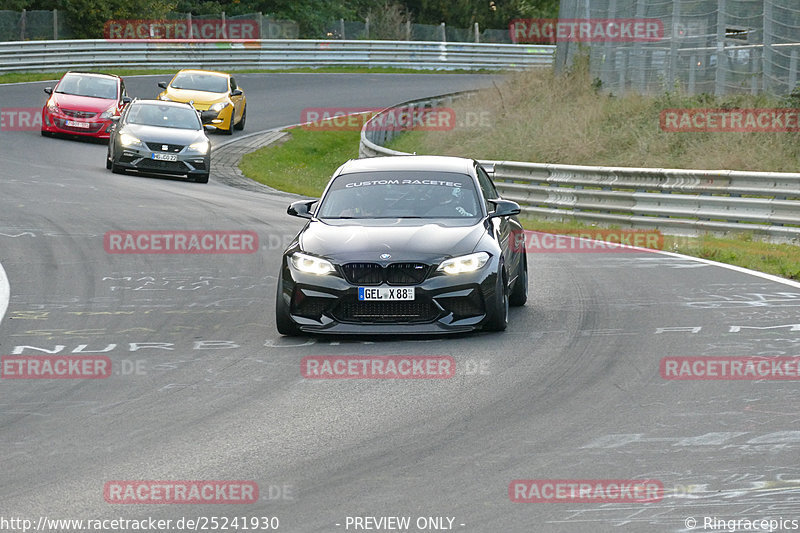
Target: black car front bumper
x,y
443,303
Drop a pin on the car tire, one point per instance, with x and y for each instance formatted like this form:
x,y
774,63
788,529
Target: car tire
x,y
47,134
229,131
498,307
108,162
116,169
202,178
240,125
519,294
283,321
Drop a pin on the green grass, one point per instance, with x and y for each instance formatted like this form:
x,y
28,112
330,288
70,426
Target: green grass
x,y
304,163
17,77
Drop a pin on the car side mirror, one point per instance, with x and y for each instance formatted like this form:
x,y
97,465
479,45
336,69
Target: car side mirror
x,y
301,208
504,208
236,92
48,90
126,100
162,84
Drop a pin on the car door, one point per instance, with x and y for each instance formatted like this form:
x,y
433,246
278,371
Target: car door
x,y
506,228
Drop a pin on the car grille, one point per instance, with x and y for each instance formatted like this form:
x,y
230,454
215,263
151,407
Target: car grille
x,y
420,310
159,147
79,114
392,274
150,164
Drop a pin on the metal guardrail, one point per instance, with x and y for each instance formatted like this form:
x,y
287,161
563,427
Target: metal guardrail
x,y
684,202
30,56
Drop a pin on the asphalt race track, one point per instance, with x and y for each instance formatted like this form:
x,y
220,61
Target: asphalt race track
x,y
203,387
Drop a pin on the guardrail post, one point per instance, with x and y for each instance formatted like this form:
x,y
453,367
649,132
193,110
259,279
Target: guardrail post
x,y
673,44
22,25
55,24
477,33
341,27
444,33
408,30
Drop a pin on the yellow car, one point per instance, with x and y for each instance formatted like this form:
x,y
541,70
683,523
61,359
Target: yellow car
x,y
209,91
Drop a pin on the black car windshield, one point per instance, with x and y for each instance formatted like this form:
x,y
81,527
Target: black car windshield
x,y
406,194
197,81
92,86
168,116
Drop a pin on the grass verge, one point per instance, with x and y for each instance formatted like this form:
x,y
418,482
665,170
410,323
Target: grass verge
x,y
304,163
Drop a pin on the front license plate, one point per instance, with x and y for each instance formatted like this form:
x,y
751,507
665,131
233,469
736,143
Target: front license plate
x,y
367,294
75,124
159,156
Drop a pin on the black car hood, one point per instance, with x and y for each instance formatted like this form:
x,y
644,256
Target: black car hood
x,y
403,240
160,134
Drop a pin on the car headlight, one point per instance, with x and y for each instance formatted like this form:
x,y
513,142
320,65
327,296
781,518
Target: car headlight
x,y
219,106
163,97
199,146
311,265
110,112
51,106
126,139
464,263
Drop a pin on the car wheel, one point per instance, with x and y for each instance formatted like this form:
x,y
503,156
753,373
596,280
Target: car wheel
x,y
240,125
229,131
286,325
47,134
116,169
202,178
519,295
498,307
108,162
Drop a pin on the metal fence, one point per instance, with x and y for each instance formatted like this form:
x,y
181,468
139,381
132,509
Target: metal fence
x,y
674,201
42,25
266,54
711,46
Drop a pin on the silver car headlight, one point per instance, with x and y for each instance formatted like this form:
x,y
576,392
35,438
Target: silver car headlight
x,y
201,147
164,97
311,265
464,263
129,141
219,106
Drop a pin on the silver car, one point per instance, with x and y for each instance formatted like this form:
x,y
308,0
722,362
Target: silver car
x,y
158,137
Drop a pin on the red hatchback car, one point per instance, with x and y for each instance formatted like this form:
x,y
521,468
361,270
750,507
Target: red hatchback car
x,y
82,103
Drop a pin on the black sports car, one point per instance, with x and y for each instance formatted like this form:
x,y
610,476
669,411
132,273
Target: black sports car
x,y
411,244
